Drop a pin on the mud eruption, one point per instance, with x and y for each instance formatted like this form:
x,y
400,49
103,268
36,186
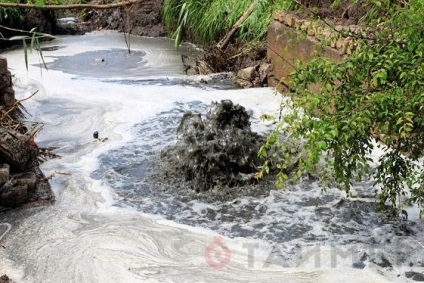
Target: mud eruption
x,y
220,150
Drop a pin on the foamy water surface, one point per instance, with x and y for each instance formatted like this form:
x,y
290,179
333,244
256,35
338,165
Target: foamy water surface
x,y
109,225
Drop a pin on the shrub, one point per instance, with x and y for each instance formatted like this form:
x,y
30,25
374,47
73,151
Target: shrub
x,y
373,98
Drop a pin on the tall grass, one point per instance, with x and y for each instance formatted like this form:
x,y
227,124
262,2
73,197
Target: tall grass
x,y
11,15
208,20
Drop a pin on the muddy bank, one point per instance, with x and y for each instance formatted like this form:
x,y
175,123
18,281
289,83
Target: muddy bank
x,y
248,63
21,180
144,19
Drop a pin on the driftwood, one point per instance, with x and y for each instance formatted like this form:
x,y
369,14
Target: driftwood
x,y
224,42
70,6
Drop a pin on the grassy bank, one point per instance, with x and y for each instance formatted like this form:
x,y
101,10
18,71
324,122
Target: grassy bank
x,y
207,20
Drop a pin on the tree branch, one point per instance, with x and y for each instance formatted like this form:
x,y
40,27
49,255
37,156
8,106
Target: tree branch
x,y
223,43
70,6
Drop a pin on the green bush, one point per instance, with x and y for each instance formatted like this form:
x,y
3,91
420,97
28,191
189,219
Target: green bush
x,y
11,16
373,98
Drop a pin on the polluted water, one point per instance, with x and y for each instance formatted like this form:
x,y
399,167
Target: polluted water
x,y
115,220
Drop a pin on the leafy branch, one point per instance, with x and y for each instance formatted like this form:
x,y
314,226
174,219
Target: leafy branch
x,y
341,111
42,6
32,37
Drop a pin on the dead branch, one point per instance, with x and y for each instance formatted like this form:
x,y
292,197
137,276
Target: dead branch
x,y
15,105
70,6
223,43
47,153
51,176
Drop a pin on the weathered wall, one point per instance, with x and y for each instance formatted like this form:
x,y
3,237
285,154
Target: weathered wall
x,y
291,39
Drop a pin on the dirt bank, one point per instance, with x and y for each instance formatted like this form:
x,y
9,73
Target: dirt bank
x,y
248,61
21,180
142,19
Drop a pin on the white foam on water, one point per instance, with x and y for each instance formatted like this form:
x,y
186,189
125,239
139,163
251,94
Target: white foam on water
x,y
85,237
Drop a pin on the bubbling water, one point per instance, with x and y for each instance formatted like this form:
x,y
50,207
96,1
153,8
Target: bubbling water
x,y
218,151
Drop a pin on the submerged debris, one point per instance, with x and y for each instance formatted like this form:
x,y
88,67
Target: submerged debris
x,y
4,279
220,150
96,137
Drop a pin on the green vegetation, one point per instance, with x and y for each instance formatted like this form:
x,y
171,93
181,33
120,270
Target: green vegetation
x,y
208,20
30,42
12,16
339,111
373,98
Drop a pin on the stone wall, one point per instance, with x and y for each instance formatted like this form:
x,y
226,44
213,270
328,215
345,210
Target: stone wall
x,y
291,38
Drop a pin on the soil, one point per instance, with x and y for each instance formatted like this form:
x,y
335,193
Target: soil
x,y
142,19
345,13
235,57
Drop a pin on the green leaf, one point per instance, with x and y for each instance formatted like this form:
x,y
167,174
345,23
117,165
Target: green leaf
x,y
25,53
39,3
19,37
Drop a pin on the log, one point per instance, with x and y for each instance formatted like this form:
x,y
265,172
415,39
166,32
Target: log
x,y
224,42
70,6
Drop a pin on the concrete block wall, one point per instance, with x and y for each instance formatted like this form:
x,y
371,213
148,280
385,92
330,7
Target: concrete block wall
x,y
291,38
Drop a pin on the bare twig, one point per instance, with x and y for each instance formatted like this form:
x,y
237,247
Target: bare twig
x,y
223,43
70,6
17,102
346,10
51,176
35,130
127,26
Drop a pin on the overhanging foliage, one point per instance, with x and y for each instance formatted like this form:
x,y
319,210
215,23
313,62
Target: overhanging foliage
x,y
375,97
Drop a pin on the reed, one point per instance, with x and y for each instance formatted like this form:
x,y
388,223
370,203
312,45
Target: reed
x,y
207,21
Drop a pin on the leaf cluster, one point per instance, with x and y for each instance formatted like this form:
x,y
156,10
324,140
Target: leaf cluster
x,y
30,41
10,15
342,111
